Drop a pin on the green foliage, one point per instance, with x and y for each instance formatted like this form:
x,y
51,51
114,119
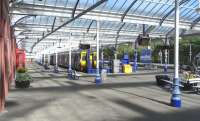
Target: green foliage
x,y
125,48
184,49
21,70
23,77
108,53
155,43
155,54
121,50
194,40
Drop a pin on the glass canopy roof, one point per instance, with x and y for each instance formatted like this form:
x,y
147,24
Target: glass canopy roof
x,y
120,20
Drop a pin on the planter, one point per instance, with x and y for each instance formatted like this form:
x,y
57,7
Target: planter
x,y
22,80
22,84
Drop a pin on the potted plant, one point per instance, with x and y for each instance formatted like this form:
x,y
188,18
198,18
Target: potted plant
x,y
22,78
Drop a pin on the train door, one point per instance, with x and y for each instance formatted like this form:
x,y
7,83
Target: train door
x,y
94,59
83,60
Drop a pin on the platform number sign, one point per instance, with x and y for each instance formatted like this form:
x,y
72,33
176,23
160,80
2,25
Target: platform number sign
x,y
146,56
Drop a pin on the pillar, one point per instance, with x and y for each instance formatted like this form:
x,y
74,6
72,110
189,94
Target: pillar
x,y
135,58
190,53
98,80
166,67
70,58
56,64
44,59
168,56
41,58
160,54
89,64
102,59
49,59
135,61
176,98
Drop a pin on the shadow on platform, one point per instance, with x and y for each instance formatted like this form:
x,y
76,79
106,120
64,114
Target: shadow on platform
x,y
151,115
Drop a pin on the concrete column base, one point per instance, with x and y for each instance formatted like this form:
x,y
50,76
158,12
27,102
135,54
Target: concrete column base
x,y
176,99
70,75
176,102
98,80
56,69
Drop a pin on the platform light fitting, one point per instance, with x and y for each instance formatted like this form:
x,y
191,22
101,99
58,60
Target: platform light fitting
x,y
59,43
198,9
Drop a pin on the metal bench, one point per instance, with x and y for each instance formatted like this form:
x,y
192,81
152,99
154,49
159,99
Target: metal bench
x,y
171,83
196,84
162,80
190,83
197,88
75,75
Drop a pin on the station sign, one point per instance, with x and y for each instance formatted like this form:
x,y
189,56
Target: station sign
x,y
146,56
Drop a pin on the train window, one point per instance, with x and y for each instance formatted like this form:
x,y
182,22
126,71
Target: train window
x,y
84,57
95,57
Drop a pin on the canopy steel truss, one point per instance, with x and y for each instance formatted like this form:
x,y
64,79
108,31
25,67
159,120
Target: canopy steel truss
x,y
51,17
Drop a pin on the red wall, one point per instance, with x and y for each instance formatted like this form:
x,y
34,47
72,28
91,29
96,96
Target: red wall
x,y
20,58
7,52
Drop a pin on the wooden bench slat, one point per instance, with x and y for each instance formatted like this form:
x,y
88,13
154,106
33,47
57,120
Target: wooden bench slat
x,y
196,86
170,82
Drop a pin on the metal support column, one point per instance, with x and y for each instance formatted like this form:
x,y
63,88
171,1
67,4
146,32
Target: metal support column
x,y
98,80
135,58
41,58
89,63
168,56
176,98
190,53
44,60
56,59
48,59
102,59
115,55
135,61
166,67
56,65
160,54
70,58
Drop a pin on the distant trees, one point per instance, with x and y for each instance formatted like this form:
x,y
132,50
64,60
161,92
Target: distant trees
x,y
155,44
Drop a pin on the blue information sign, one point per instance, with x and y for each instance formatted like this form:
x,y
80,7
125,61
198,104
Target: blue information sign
x,y
146,56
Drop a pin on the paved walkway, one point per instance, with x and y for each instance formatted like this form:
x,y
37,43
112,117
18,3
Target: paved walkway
x,y
131,98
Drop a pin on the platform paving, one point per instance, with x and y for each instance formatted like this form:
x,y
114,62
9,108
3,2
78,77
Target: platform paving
x,y
120,98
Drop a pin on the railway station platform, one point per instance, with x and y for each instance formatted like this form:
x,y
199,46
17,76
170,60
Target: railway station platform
x,y
99,60
119,98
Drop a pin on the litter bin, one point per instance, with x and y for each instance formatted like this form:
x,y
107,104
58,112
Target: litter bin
x,y
127,68
103,74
